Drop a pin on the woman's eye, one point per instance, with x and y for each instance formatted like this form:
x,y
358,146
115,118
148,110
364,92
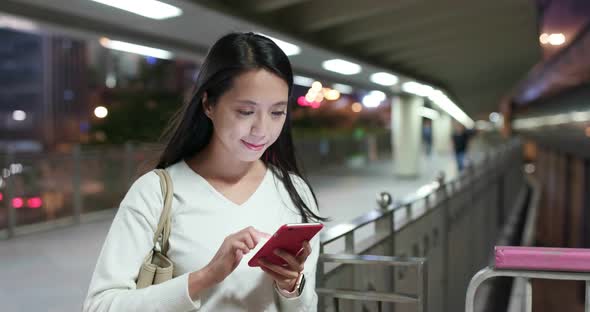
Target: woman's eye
x,y
279,113
245,113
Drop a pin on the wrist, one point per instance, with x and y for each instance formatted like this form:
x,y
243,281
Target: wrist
x,y
199,281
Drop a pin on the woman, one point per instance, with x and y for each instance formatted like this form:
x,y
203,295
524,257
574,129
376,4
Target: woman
x,y
231,159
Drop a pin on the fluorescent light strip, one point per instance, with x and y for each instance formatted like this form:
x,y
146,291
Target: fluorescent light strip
x,y
289,48
342,67
551,120
384,79
417,88
149,8
16,23
443,101
428,113
135,48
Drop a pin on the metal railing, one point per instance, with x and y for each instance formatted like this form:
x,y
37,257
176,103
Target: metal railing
x,y
489,273
379,298
453,224
522,291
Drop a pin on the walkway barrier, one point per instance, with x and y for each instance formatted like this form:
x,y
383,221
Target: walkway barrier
x,y
454,224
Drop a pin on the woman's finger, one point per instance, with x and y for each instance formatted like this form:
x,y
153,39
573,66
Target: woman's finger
x,y
275,276
280,270
239,245
305,253
292,262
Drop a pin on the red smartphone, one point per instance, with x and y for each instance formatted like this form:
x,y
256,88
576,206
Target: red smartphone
x,y
288,237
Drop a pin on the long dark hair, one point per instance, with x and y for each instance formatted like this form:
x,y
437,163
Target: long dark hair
x,y
190,130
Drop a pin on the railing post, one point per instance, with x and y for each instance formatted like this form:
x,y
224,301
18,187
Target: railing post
x,y
423,287
528,296
587,300
349,243
76,183
444,240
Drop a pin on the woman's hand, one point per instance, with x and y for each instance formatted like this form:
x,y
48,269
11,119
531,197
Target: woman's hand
x,y
286,276
225,261
231,252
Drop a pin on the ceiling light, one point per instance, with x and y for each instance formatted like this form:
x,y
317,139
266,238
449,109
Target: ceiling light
x,y
556,39
342,88
417,88
288,48
19,115
428,113
443,101
384,79
148,8
342,67
135,48
373,99
302,81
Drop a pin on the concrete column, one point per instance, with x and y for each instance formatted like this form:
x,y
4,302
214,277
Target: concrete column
x,y
407,135
442,130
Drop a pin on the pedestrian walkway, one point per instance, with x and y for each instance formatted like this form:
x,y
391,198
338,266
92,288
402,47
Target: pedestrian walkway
x,y
50,271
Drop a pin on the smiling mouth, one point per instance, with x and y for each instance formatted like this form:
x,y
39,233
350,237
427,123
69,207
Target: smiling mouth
x,y
253,146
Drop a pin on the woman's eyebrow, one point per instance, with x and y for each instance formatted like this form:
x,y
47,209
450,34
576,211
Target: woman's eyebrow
x,y
250,102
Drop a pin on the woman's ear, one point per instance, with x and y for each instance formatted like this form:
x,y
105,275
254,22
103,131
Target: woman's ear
x,y
206,105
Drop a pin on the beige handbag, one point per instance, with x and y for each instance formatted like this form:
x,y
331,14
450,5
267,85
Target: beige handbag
x,y
156,267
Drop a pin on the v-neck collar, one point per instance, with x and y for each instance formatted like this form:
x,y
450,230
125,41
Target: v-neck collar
x,y
217,193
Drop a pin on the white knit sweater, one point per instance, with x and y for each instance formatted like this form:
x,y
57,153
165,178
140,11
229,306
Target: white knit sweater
x,y
201,219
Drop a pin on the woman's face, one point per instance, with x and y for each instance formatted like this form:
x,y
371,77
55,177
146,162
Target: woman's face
x,y
249,117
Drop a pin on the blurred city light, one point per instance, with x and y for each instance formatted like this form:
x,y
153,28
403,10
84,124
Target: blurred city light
x,y
331,94
342,67
19,115
111,80
357,107
149,8
588,132
135,48
373,99
34,202
289,48
101,112
18,202
494,117
384,79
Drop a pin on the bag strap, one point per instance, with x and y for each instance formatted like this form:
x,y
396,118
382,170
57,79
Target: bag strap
x,y
164,224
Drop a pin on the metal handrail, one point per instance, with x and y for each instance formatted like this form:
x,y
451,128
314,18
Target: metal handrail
x,y
438,198
341,230
489,273
420,298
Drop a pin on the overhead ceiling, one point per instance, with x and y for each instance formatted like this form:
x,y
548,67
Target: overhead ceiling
x,y
477,50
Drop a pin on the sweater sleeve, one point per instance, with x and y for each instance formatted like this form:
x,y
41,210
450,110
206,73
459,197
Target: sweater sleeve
x,y
128,241
307,301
